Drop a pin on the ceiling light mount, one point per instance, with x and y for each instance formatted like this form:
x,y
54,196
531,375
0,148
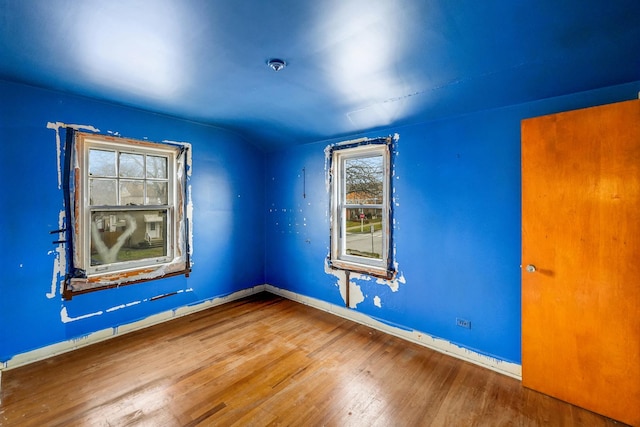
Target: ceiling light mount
x,y
276,64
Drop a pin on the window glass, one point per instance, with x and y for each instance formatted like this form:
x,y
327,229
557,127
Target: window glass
x,y
156,193
156,167
363,233
131,165
364,180
102,163
131,192
121,236
102,192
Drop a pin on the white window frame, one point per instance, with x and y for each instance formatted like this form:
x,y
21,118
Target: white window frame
x,y
339,258
86,277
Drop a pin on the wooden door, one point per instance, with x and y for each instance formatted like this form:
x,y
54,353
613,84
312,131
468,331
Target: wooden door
x,y
581,231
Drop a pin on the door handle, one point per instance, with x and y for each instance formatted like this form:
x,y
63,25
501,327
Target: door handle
x,y
530,268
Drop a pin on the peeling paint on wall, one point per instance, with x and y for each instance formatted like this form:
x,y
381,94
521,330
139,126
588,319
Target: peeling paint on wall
x,y
59,261
377,302
356,296
64,316
118,307
56,126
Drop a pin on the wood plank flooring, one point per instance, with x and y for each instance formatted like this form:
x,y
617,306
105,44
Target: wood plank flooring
x,y
268,361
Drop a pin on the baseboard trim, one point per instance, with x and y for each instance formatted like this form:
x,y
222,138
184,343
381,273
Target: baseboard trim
x,y
108,333
510,369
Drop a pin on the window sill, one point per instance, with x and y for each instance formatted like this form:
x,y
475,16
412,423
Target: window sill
x,y
371,270
82,285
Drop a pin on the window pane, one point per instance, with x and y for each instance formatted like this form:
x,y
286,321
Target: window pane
x,y
131,193
102,163
156,167
156,193
364,180
363,234
131,165
127,236
102,192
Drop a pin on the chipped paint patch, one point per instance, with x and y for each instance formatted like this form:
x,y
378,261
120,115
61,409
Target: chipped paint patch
x,y
121,306
356,296
188,168
56,126
59,262
377,302
65,318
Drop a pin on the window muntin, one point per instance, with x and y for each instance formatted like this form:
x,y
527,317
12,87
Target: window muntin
x,y
360,208
127,210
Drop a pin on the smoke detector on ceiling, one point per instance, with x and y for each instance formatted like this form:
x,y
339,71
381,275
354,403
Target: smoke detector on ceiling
x,y
276,64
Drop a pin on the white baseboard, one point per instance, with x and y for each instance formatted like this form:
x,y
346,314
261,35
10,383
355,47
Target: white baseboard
x,y
510,369
507,368
108,333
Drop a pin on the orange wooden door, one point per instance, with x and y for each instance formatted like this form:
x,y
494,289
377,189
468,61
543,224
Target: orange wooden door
x,y
581,231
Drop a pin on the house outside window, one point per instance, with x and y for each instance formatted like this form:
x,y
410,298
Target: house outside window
x,y
129,220
361,208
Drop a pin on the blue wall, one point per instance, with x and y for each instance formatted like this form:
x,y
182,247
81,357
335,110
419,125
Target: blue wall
x,y
457,230
228,200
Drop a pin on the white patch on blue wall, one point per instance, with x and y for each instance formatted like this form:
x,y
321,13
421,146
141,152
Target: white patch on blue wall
x,y
377,302
356,296
65,318
121,306
56,126
59,261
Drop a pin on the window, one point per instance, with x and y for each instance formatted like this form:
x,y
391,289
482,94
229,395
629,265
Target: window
x,y
129,217
360,207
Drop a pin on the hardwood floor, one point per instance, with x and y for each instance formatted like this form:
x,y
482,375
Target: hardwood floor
x,y
267,361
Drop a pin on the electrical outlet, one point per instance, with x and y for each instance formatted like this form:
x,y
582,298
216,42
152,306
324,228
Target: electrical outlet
x,y
463,323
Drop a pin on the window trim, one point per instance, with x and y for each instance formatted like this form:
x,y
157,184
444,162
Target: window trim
x,y
81,276
338,258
